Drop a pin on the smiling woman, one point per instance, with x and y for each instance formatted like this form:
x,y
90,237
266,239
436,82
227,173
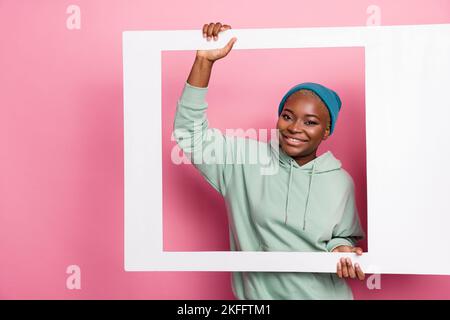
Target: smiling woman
x,y
303,124
308,205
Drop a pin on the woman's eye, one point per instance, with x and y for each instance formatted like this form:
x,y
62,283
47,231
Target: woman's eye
x,y
286,117
310,122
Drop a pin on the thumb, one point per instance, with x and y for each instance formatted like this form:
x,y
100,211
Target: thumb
x,y
230,44
357,250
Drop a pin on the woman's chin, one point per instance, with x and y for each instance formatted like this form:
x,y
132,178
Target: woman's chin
x,y
291,151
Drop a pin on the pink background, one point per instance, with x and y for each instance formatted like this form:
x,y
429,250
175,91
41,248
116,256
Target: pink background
x,y
61,134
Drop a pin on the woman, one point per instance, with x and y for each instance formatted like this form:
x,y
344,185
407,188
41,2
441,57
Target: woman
x,y
306,205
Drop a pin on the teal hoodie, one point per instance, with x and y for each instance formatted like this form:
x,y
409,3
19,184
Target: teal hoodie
x,y
287,207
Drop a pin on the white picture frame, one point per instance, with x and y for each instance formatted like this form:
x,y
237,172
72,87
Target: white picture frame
x,y
407,77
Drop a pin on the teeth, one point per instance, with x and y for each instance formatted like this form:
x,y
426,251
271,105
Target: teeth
x,y
292,139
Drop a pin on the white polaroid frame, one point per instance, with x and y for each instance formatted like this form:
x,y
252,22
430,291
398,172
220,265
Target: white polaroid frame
x,y
407,113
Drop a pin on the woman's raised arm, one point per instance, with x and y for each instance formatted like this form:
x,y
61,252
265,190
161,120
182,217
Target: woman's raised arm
x,y
191,129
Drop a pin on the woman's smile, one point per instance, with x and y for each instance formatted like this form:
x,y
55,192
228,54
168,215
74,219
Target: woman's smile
x,y
295,142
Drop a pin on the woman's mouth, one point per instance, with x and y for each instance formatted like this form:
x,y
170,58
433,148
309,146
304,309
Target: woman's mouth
x,y
293,141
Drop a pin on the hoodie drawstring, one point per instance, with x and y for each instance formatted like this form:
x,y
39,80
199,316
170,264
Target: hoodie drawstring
x,y
307,194
287,199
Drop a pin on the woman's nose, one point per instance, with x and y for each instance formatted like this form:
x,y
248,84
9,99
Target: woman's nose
x,y
295,126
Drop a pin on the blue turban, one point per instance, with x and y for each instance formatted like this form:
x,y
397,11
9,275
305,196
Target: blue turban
x,y
328,96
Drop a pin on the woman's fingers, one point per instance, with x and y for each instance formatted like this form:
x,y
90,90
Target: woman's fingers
x,y
224,27
216,30
344,268
351,270
339,269
209,31
359,272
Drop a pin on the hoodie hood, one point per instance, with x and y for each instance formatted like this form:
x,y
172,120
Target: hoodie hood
x,y
322,164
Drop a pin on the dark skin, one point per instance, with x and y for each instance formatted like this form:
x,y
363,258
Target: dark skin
x,y
302,117
306,119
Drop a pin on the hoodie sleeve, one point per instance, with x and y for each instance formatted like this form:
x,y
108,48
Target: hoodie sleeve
x,y
205,147
348,231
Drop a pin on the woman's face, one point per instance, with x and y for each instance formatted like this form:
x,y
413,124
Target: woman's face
x,y
306,121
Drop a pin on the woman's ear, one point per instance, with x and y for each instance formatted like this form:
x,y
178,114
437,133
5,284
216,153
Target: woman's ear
x,y
327,133
327,130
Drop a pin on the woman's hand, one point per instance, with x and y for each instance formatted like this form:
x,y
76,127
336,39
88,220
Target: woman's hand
x,y
211,31
345,266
